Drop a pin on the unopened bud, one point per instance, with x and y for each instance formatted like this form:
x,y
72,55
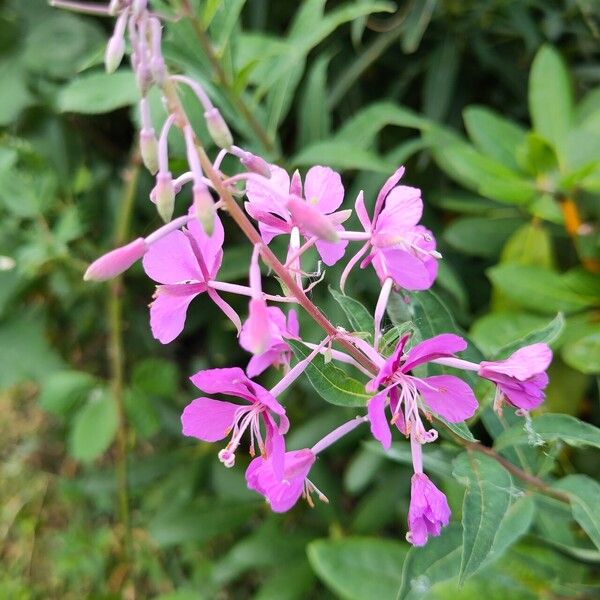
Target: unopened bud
x,y
149,150
311,220
138,7
115,262
165,195
114,7
115,50
256,164
158,69
217,128
205,207
144,78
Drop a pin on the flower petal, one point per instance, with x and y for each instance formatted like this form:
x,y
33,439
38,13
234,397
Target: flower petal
x,y
231,381
403,210
448,396
331,253
445,344
172,260
524,363
323,189
207,419
379,425
169,309
404,268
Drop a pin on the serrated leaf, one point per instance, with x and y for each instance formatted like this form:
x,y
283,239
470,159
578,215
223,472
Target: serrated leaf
x,y
359,568
358,316
487,499
438,561
95,93
551,428
94,426
331,383
584,494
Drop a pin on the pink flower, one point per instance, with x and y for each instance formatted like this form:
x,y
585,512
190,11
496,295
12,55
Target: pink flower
x,y
116,261
183,262
400,248
283,493
211,420
275,350
445,395
278,206
428,511
522,377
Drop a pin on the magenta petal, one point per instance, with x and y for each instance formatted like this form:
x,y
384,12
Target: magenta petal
x,y
403,209
524,363
270,195
361,212
208,420
168,310
172,260
230,381
445,344
323,189
379,425
255,336
210,247
331,253
275,447
448,396
405,269
428,511
385,190
261,362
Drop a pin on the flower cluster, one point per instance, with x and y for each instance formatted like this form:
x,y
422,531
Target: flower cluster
x,y
183,257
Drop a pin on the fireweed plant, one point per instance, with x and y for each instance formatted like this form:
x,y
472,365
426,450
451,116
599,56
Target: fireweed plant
x,y
183,257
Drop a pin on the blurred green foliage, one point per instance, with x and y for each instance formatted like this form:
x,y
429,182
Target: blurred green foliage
x,y
495,108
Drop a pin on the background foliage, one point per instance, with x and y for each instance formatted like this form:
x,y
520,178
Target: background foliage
x,y
494,107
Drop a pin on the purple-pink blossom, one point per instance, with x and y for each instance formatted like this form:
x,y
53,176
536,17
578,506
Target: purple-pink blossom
x,y
268,344
428,511
182,263
399,248
283,493
445,395
280,204
211,420
522,377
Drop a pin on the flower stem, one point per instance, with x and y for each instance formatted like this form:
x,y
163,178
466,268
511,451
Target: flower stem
x,y
116,362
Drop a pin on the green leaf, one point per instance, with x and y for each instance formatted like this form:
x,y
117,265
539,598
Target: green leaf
x,y
94,426
341,154
359,568
476,171
540,290
536,156
331,383
62,390
156,377
438,561
530,244
493,135
481,236
358,316
551,428
95,93
547,335
14,93
435,460
584,493
314,118
584,354
416,24
487,500
440,78
550,98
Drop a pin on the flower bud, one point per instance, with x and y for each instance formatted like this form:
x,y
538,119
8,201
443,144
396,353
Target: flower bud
x,y
115,262
144,78
149,150
158,70
164,195
205,207
217,128
115,50
256,333
311,220
138,7
256,164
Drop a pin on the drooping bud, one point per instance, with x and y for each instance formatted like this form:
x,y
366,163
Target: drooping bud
x,y
115,50
256,164
164,194
116,261
149,150
157,62
309,219
205,207
144,78
217,128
